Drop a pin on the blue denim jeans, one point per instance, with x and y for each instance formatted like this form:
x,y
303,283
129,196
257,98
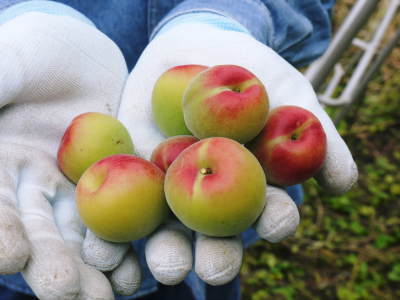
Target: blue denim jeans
x,y
299,30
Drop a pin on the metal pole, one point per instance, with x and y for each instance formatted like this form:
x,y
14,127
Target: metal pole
x,y
357,17
369,48
359,90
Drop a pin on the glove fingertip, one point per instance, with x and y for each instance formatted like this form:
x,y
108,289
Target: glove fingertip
x,y
338,174
218,260
103,255
169,255
126,278
14,245
280,217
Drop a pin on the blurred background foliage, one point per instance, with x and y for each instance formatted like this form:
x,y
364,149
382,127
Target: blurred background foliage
x,y
348,246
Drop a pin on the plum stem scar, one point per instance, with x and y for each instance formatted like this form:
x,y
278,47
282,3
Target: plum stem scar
x,y
205,171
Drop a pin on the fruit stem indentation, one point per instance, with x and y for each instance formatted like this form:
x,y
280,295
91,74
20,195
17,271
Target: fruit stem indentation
x,y
294,136
236,89
205,171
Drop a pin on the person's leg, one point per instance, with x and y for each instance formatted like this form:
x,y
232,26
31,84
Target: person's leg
x,y
8,294
176,292
13,287
296,193
229,291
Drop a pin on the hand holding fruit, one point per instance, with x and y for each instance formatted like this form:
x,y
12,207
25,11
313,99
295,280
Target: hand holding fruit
x,y
45,81
285,86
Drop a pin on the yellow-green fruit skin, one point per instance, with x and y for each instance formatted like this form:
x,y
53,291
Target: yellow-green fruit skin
x,y
90,137
121,198
167,99
216,187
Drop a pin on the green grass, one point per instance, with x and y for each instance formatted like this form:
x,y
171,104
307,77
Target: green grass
x,y
348,246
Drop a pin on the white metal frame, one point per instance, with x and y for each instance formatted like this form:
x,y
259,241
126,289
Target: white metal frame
x,y
368,63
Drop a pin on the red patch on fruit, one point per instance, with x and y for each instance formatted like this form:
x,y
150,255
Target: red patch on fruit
x,y
291,147
165,153
226,75
284,120
223,177
65,140
123,162
230,104
174,152
187,69
296,161
185,167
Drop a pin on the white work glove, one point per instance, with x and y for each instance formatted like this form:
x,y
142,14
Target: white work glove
x,y
52,68
218,260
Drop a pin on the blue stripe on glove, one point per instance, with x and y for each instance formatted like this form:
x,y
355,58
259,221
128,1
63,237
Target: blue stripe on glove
x,y
48,7
213,19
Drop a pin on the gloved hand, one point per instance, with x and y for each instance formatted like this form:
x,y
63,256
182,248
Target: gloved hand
x,y
52,68
218,260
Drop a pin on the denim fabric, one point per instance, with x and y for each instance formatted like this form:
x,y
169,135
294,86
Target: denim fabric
x,y
299,30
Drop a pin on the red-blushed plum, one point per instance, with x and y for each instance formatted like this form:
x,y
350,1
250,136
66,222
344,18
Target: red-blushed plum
x,y
167,151
167,98
91,136
225,101
216,187
291,147
121,198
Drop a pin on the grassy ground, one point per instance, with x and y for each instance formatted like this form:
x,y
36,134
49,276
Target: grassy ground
x,y
346,247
